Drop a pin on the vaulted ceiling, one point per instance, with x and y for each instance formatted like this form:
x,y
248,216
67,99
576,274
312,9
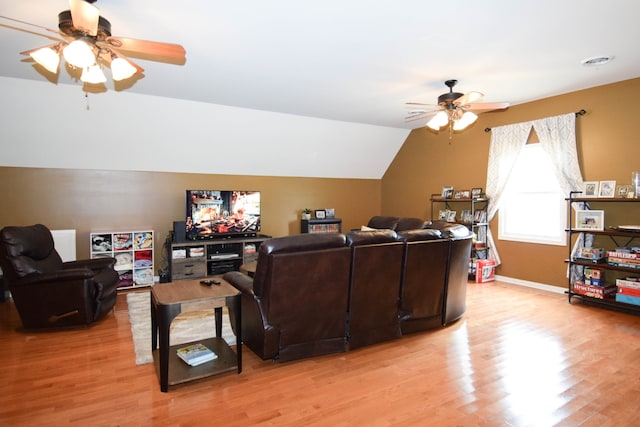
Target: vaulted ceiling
x,y
354,61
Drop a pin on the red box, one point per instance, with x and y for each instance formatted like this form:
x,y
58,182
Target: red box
x,y
485,270
600,292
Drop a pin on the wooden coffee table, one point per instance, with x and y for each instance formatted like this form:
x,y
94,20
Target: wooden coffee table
x,y
166,303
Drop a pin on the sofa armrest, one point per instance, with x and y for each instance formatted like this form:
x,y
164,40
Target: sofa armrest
x,y
95,264
240,281
54,278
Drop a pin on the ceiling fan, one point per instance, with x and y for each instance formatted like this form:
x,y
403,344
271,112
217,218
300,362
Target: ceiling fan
x,y
85,42
454,109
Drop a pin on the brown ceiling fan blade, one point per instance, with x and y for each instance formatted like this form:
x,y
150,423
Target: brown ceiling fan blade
x,y
85,16
480,107
154,51
468,98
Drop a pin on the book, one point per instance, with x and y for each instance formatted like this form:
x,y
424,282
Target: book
x,y
196,354
600,292
628,299
629,282
634,292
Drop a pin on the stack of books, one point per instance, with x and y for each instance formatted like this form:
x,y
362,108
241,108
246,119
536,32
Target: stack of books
x,y
196,354
628,290
624,257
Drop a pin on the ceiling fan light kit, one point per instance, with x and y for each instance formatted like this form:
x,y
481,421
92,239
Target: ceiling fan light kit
x,y
86,44
48,57
453,109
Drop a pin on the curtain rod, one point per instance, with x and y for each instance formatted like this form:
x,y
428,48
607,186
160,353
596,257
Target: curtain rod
x,y
578,113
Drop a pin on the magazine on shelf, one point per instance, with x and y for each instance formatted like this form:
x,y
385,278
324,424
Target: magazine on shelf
x,y
196,354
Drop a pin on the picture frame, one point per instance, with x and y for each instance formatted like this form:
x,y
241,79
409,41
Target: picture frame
x,y
457,195
451,216
476,192
465,194
320,214
443,215
590,189
331,212
607,189
623,191
447,192
589,220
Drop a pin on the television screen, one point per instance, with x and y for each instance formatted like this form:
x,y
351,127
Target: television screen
x,y
212,213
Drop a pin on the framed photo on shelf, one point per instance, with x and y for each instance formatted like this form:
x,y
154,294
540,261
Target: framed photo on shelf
x,y
476,192
451,216
607,189
465,194
320,214
443,215
590,189
447,192
623,191
331,213
589,220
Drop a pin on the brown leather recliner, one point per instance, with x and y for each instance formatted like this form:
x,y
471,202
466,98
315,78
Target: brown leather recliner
x,y
295,306
376,270
50,293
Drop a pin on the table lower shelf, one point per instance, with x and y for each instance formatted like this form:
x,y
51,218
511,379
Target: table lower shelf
x,y
180,372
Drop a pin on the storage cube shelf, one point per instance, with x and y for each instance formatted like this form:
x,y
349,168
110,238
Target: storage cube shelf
x,y
133,251
327,225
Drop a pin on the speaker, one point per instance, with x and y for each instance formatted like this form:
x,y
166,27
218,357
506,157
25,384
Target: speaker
x,y
179,231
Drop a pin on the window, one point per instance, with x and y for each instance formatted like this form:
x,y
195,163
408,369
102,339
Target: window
x,y
533,208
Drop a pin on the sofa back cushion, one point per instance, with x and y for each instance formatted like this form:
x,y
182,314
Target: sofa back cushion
x,y
382,222
375,236
408,223
26,250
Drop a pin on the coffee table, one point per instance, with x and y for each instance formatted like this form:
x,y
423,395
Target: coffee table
x,y
166,303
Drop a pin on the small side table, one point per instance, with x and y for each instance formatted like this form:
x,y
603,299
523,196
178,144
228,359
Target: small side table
x,y
166,304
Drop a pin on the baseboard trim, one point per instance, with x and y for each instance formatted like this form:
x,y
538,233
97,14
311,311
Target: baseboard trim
x,y
528,284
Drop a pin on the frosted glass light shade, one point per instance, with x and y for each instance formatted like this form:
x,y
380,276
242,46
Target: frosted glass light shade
x,y
48,58
79,54
121,69
93,75
438,120
467,118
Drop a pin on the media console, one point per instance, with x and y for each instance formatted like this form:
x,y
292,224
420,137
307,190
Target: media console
x,y
193,259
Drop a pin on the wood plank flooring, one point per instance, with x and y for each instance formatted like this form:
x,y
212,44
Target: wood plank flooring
x,y
519,357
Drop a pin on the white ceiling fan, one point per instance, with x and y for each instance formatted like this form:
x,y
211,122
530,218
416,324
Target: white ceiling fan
x,y
84,40
454,109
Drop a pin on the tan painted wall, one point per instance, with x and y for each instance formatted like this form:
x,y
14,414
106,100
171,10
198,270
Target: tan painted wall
x,y
89,200
607,138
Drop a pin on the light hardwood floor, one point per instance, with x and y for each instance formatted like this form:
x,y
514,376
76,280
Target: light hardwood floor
x,y
519,357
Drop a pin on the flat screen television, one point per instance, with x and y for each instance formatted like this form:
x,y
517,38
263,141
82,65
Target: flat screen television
x,y
218,214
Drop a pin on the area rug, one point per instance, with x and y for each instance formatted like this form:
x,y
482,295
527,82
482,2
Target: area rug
x,y
195,323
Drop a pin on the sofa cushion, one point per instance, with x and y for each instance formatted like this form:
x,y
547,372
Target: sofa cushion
x,y
389,222
411,224
420,234
359,238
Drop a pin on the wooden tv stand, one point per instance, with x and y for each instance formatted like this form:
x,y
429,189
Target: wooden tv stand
x,y
194,259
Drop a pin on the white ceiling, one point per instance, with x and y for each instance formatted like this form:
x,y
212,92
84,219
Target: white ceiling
x,y
356,61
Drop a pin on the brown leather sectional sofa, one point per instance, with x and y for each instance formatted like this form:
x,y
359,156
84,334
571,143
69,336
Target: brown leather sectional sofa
x,y
315,294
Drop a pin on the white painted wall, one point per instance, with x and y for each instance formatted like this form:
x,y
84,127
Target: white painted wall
x,y
56,126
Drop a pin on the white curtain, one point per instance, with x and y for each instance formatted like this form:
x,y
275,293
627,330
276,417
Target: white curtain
x,y
557,137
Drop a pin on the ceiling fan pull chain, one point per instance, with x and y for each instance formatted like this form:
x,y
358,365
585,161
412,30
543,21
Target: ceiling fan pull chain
x,y
86,95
